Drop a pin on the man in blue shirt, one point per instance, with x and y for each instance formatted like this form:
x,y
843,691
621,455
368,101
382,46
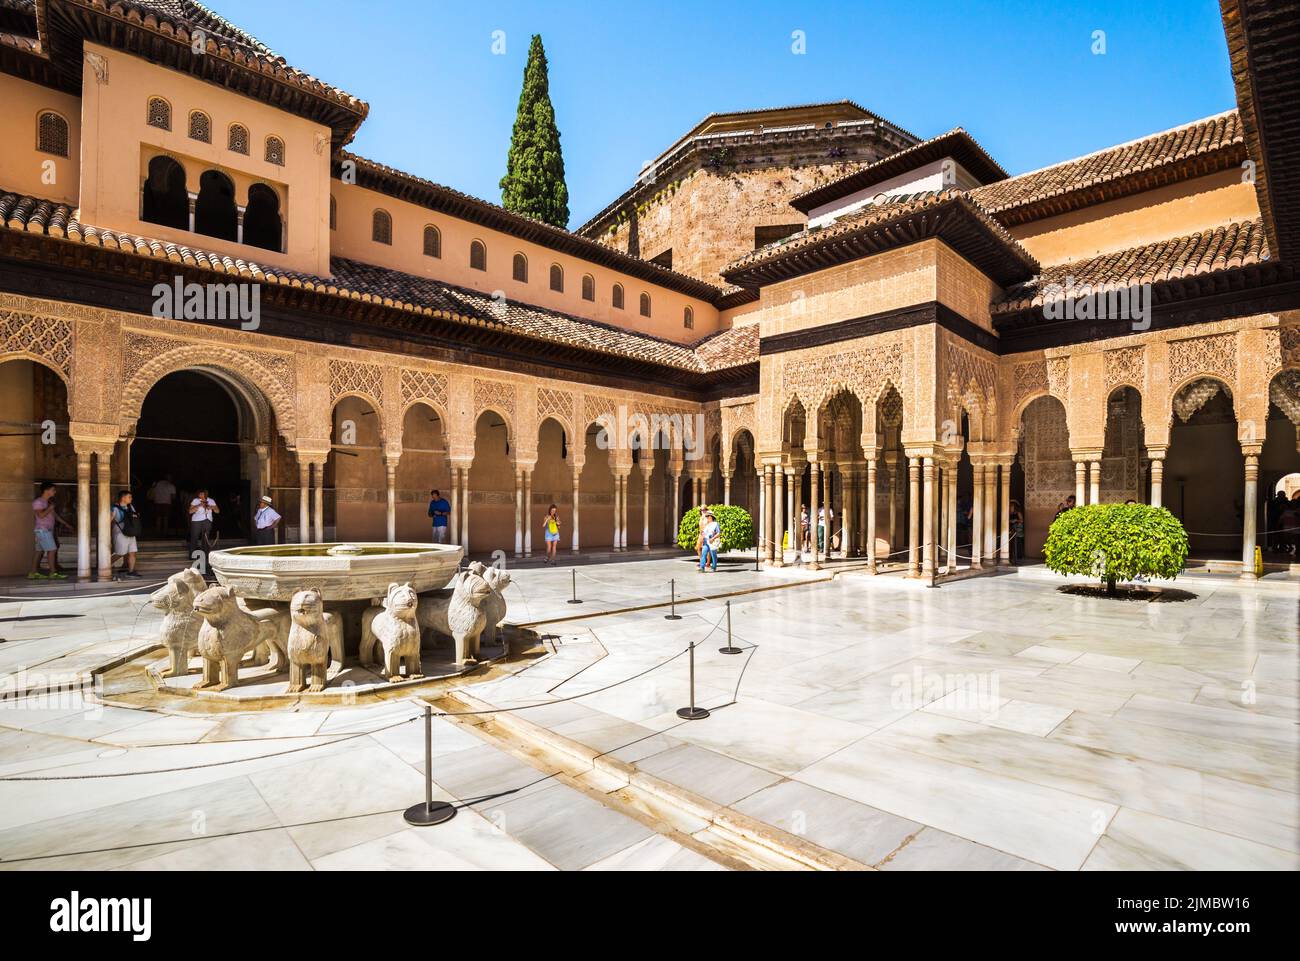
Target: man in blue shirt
x,y
439,510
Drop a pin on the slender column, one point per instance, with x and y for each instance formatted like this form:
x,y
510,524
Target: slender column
x,y
318,503
1004,545
990,514
645,507
622,507
193,202
577,476
454,520
848,512
726,489
519,513
914,517
927,520
528,512
895,488
769,514
304,501
1080,482
1249,508
814,498
977,517
871,516
778,517
1157,457
792,513
760,532
1094,482
677,503
103,466
952,471
83,514
390,470
464,510
618,492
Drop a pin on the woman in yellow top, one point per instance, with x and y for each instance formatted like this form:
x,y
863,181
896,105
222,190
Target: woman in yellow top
x,y
551,527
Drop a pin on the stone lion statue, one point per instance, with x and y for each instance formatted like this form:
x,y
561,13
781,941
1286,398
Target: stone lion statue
x,y
459,613
315,639
180,623
394,628
494,608
229,631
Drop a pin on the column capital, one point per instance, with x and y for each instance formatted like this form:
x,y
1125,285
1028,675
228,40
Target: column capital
x,y
1085,454
1157,453
1252,449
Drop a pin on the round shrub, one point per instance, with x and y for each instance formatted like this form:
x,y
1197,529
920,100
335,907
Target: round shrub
x,y
737,528
1116,542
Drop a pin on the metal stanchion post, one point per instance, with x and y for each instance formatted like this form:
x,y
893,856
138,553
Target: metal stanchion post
x,y
573,573
731,648
674,616
428,813
692,713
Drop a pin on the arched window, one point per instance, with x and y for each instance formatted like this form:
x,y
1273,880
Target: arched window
x,y
237,142
262,219
166,200
381,227
275,151
688,318
519,269
432,241
52,134
645,305
334,213
477,256
588,287
200,126
618,297
557,278
215,213
159,113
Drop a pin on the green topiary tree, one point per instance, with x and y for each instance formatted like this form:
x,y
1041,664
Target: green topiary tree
x,y
737,528
1116,541
534,181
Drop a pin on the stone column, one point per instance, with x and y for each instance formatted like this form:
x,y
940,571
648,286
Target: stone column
x,y
726,488
1004,546
577,477
464,510
304,500
977,515
953,470
645,506
390,470
519,513
848,510
870,532
103,470
893,466
927,519
814,492
770,552
83,513
990,514
318,503
1094,482
622,508
778,515
1249,508
792,513
1080,483
617,495
453,521
1157,457
760,532
914,517
528,512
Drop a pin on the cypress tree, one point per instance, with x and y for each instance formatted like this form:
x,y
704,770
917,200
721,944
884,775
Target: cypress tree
x,y
534,181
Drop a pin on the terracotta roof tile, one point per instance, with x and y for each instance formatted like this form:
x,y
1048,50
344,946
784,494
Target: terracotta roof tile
x,y
1223,248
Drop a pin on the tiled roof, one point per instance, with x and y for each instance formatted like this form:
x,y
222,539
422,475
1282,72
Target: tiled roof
x,y
889,223
1204,146
391,288
1195,255
956,143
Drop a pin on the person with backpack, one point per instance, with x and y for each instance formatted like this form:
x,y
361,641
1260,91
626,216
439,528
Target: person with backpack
x,y
126,528
710,543
551,530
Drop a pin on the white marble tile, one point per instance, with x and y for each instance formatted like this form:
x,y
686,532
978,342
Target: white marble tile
x,y
1144,842
1107,662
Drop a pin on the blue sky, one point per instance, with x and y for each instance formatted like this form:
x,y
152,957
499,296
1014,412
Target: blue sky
x,y
628,78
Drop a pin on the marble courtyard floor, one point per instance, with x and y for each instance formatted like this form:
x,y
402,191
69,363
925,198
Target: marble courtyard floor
x,y
994,723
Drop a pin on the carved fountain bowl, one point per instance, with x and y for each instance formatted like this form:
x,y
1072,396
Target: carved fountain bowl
x,y
361,572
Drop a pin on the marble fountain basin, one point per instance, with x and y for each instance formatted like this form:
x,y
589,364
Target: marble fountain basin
x,y
342,572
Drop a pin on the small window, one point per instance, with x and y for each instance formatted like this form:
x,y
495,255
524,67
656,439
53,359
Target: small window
x,y
237,142
688,318
275,151
160,113
334,214
557,278
645,305
381,227
432,241
52,134
519,269
588,287
618,297
477,256
200,126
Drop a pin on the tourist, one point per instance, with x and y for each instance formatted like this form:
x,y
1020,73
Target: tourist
x,y
439,510
265,522
710,542
126,528
1065,505
1017,518
551,529
46,545
203,509
162,497
803,527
